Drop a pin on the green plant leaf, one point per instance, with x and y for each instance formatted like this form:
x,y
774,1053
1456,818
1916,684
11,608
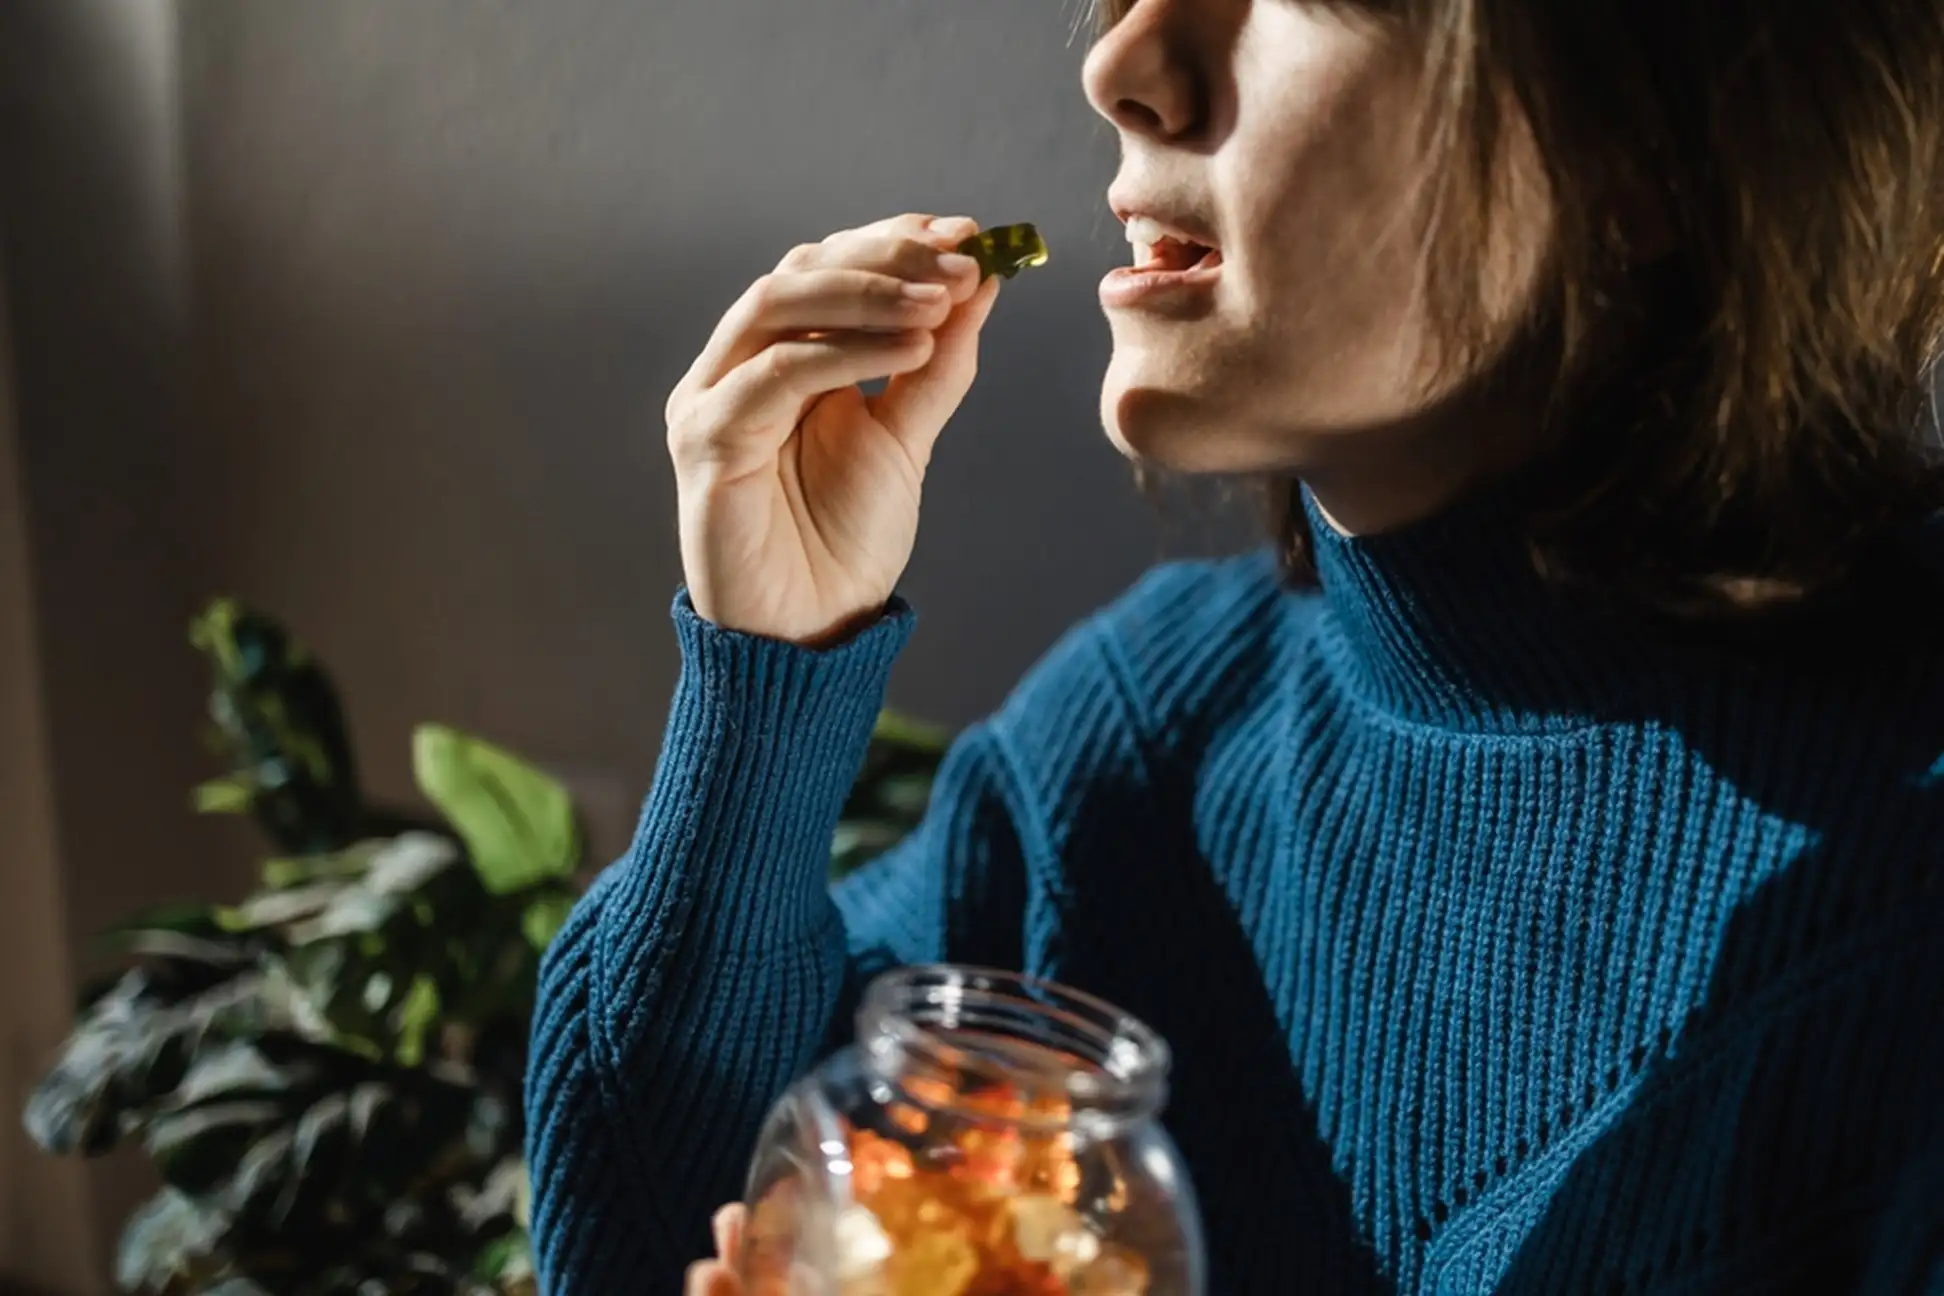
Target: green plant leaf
x,y
865,836
369,1102
197,1149
345,865
229,795
189,918
322,1148
544,918
504,1257
235,1287
189,932
79,1105
418,1016
498,1197
275,908
327,1072
164,1238
902,730
354,911
517,823
892,790
278,718
135,1046
367,915
906,794
260,1187
408,862
232,1071
93,991
857,842
213,631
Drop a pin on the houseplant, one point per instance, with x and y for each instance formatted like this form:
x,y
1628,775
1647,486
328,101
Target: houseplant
x,y
327,1073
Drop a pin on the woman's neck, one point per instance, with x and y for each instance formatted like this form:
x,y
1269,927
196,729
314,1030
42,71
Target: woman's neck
x,y
1394,477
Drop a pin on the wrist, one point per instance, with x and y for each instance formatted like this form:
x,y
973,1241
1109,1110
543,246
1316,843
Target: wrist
x,y
811,635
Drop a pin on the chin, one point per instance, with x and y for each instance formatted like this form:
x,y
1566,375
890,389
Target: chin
x,y
1147,415
1217,413
1174,426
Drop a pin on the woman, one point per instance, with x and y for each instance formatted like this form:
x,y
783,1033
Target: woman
x,y
1534,859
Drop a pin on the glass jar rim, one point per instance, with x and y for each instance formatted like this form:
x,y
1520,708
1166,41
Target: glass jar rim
x,y
1114,1070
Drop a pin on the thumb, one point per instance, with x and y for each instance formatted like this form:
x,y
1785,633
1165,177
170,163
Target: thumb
x,y
727,1225
915,405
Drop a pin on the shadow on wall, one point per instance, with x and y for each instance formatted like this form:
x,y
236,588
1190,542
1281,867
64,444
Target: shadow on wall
x,y
93,299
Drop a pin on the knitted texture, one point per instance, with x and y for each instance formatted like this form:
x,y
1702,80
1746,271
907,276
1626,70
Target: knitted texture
x,y
1503,945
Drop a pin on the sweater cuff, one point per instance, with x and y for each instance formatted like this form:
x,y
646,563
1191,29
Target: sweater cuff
x,y
765,739
711,647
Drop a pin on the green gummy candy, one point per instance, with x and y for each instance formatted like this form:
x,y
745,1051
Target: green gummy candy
x,y
1005,250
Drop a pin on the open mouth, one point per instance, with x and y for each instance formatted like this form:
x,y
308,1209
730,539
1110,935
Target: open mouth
x,y
1158,251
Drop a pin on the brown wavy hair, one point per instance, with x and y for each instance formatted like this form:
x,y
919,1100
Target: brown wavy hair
x,y
1772,421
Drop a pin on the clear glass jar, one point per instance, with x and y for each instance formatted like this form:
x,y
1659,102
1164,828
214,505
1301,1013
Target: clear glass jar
x,y
987,1135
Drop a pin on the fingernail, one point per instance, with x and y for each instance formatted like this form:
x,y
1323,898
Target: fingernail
x,y
949,224
927,292
956,263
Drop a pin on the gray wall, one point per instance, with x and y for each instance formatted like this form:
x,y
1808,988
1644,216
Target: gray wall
x,y
45,1209
94,299
449,256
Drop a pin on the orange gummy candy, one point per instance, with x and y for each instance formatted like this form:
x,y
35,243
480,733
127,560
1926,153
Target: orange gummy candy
x,y
876,1160
935,1258
988,1211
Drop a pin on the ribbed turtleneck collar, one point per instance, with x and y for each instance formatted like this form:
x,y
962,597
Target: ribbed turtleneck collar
x,y
1447,623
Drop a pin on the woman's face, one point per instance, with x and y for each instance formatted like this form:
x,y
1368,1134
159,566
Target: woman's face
x,y
1279,131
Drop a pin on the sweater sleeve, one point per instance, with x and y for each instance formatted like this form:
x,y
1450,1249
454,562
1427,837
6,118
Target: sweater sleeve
x,y
712,965
1906,1255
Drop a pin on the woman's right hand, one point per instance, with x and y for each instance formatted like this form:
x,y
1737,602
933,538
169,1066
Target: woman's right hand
x,y
798,493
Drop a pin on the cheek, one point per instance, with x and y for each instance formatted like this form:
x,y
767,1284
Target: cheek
x,y
1334,324
1323,192
1301,355
1328,273
1318,332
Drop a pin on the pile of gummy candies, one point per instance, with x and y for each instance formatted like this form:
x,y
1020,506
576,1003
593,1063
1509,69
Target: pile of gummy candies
x,y
988,1211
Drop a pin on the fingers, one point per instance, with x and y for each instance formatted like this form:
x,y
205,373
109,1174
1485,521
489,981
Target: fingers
x,y
710,1278
904,246
718,1277
756,406
853,279
910,240
823,300
917,403
728,1229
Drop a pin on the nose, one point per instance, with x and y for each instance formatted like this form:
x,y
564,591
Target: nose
x,y
1139,75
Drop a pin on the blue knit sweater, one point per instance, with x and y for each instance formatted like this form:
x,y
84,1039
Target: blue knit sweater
x,y
1503,946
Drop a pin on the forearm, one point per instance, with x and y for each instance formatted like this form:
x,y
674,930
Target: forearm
x,y
700,974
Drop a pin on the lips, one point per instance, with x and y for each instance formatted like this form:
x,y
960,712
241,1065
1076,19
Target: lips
x,y
1181,227
1176,262
1156,249
1164,244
